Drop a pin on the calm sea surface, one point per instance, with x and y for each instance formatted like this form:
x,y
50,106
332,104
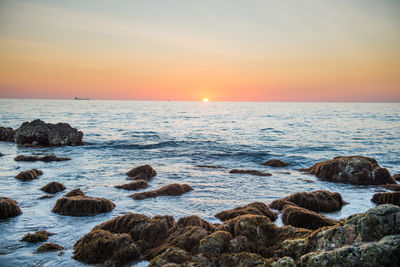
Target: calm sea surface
x,y
174,137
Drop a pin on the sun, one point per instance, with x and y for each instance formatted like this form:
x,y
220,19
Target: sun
x,y
205,99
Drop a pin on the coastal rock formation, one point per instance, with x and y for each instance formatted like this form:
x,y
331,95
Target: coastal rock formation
x,y
53,187
29,175
82,206
252,172
40,133
168,190
36,237
145,172
275,163
257,208
352,169
75,192
8,208
46,158
49,247
139,184
303,218
318,201
7,134
387,198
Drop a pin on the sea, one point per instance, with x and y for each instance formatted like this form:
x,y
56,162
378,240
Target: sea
x,y
175,137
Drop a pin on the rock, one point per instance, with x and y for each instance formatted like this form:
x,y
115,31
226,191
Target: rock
x,y
210,167
53,187
45,197
8,208
39,236
171,255
303,218
318,201
82,206
240,244
48,134
393,187
139,184
284,262
275,163
168,190
99,246
1,155
352,169
387,198
215,243
145,172
49,247
194,220
7,134
75,192
252,172
47,158
242,259
257,208
29,175
396,177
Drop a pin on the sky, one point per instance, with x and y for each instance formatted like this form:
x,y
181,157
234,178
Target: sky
x,y
233,50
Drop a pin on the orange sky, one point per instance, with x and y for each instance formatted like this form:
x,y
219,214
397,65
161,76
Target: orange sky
x,y
222,50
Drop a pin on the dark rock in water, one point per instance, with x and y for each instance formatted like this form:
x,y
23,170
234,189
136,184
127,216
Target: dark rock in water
x,y
75,192
8,208
168,190
252,172
352,169
275,163
7,134
145,172
48,134
39,236
387,198
1,155
210,167
318,201
29,175
49,247
139,184
46,197
257,208
303,218
393,187
82,206
396,177
53,187
47,158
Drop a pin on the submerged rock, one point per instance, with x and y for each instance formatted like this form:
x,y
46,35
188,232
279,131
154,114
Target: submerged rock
x,y
168,190
36,237
48,134
82,206
75,192
47,158
275,163
46,197
393,187
8,208
352,169
139,184
387,198
53,187
49,247
7,134
29,175
252,172
210,166
318,201
300,217
257,208
1,154
145,172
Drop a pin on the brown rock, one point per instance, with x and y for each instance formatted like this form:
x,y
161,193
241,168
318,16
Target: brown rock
x,y
75,192
29,175
53,187
171,257
139,184
387,198
194,220
318,201
49,247
215,243
393,187
210,167
82,206
396,177
145,172
45,197
352,169
47,158
275,163
39,236
242,259
168,190
7,134
256,208
8,208
252,172
303,218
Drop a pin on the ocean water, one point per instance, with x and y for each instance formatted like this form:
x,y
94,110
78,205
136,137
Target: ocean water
x,y
174,137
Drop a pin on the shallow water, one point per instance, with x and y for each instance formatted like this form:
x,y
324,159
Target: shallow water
x,y
174,137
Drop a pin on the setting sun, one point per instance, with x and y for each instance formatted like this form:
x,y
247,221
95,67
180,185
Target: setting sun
x,y
205,99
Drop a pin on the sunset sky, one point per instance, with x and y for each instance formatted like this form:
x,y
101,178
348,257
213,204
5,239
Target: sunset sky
x,y
233,50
